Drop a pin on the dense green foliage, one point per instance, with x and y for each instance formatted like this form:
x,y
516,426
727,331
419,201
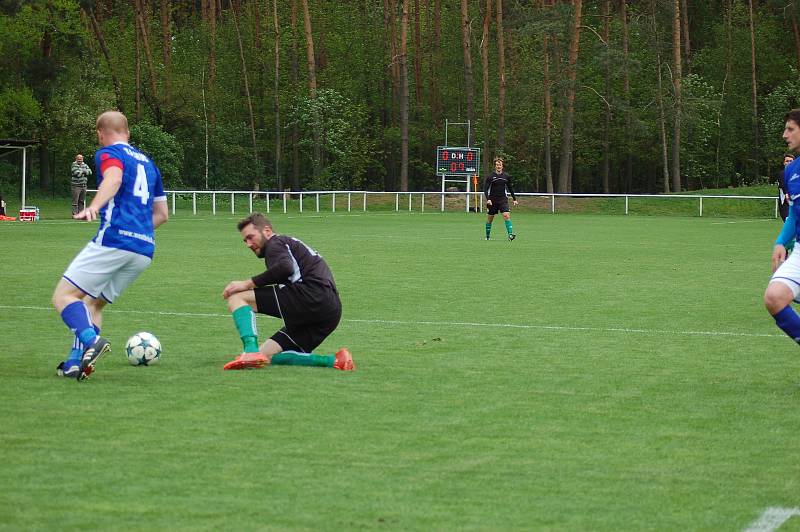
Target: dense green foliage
x,y
621,374
56,78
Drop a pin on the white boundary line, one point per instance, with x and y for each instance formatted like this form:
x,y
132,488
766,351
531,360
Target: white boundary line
x,y
772,519
623,330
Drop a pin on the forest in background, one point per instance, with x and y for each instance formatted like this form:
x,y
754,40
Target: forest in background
x,y
578,96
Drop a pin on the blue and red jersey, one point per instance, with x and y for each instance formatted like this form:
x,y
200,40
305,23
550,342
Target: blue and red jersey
x,y
126,221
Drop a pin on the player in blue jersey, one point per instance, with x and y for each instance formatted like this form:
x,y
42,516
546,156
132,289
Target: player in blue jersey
x,y
784,287
494,189
130,203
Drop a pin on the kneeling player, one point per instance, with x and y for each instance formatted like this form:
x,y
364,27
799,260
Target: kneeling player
x,y
298,288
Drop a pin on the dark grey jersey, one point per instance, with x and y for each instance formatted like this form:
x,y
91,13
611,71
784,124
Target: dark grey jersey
x,y
496,184
290,261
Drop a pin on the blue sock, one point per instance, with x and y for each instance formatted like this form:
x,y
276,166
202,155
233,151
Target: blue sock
x,y
75,353
78,346
789,322
77,318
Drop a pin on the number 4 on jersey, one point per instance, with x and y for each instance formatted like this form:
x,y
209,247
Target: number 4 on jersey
x,y
140,189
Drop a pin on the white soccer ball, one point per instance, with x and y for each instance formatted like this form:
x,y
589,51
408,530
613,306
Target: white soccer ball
x,y
143,349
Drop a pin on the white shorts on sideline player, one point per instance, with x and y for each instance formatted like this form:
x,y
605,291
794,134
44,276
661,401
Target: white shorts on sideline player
x,y
105,272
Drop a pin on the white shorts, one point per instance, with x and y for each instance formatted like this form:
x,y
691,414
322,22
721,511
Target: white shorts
x,y
105,272
788,273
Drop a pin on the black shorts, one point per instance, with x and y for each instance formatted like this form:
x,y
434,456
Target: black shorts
x,y
310,313
498,205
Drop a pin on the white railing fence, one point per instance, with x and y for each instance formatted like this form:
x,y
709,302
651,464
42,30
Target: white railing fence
x,y
349,200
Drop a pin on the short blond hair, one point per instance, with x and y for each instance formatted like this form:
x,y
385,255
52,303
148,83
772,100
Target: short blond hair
x,y
113,121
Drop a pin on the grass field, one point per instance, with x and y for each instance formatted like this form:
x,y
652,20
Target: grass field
x,y
599,373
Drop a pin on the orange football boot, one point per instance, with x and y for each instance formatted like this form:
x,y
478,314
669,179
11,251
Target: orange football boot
x,y
247,361
344,360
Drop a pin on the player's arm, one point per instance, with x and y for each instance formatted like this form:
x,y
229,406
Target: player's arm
x,y
786,235
487,185
510,188
160,209
160,212
280,268
112,180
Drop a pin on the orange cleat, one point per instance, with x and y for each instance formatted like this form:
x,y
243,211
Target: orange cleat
x,y
344,360
247,361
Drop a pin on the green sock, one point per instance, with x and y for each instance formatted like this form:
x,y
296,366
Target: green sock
x,y
293,358
508,226
245,320
488,229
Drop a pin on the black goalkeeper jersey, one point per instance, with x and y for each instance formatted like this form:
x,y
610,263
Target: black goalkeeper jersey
x,y
290,261
496,184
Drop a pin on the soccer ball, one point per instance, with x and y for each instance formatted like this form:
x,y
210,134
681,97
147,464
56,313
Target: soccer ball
x,y
143,349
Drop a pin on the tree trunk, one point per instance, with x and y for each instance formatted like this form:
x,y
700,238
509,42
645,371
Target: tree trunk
x,y
234,10
467,53
431,59
138,76
404,97
390,148
437,56
687,48
606,15
151,71
796,31
211,13
487,18
756,140
676,82
205,124
728,68
626,90
418,85
166,40
501,68
277,109
98,33
548,115
295,82
389,7
565,164
312,83
662,121
310,60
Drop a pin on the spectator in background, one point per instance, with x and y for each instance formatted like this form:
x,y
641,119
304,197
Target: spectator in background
x,y
80,173
783,199
2,206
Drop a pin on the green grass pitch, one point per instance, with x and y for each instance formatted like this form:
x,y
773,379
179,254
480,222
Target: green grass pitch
x,y
598,373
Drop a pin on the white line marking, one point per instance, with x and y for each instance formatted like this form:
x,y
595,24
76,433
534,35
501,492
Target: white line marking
x,y
623,330
744,221
772,519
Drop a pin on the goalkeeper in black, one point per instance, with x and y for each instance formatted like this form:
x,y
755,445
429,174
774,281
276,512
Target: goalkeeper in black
x,y
298,288
494,188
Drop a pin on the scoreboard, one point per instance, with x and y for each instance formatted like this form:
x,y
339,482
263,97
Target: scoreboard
x,y
457,161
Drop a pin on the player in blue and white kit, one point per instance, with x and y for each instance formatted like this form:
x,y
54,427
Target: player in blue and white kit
x,y
130,203
784,287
